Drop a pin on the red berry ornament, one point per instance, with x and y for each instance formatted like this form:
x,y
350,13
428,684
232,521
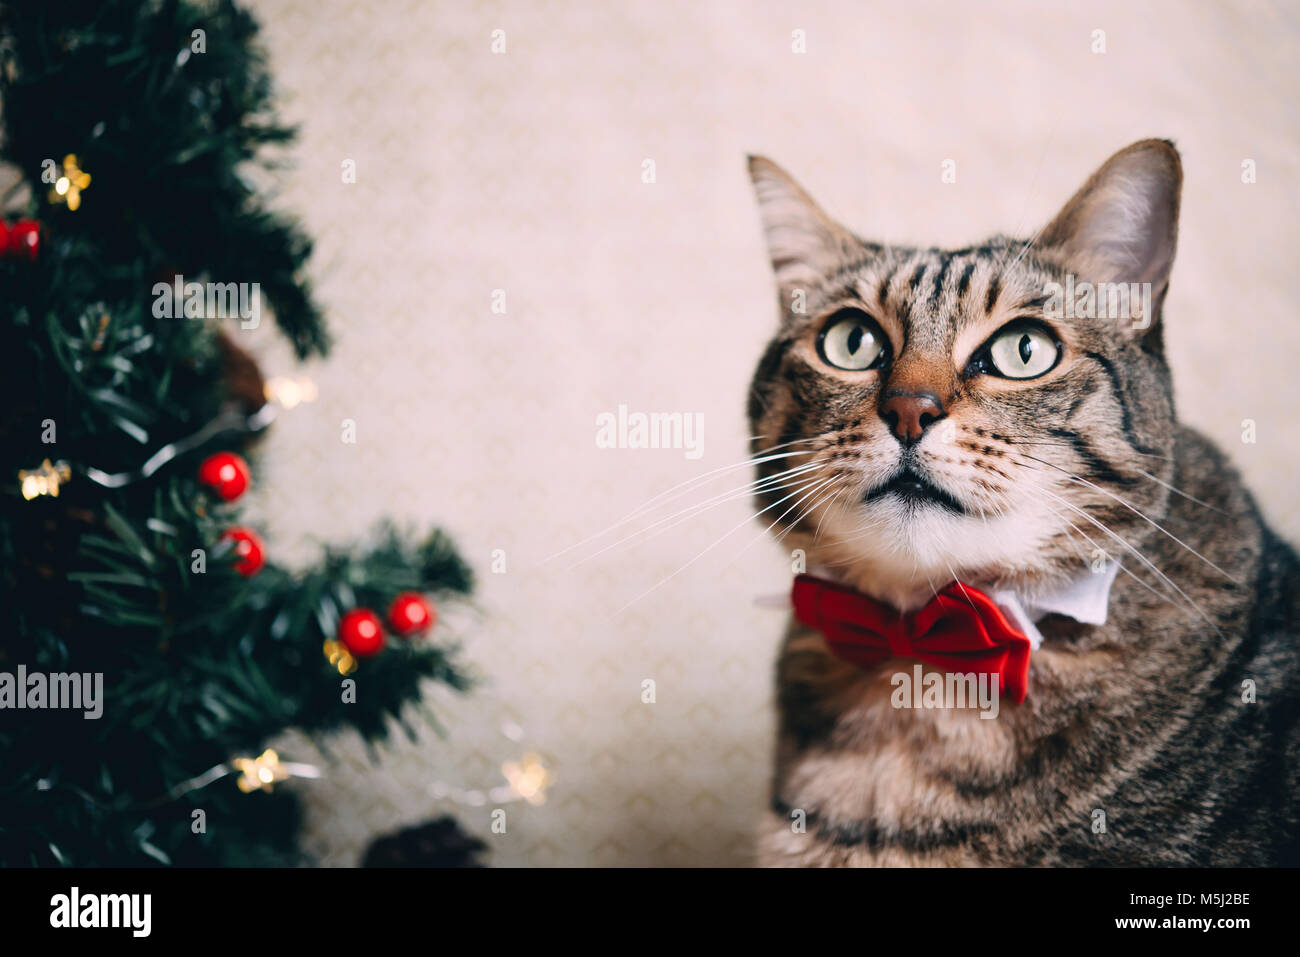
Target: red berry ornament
x,y
249,548
361,632
226,474
22,240
410,614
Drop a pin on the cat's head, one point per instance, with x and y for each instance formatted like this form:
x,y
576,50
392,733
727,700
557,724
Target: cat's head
x,y
924,414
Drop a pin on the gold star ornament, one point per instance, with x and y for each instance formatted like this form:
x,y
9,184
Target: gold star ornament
x,y
339,656
261,772
528,778
67,188
44,480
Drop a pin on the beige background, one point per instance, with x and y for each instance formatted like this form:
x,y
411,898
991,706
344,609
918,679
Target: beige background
x,y
522,172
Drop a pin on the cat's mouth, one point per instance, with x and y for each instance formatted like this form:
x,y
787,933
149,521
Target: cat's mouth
x,y
915,489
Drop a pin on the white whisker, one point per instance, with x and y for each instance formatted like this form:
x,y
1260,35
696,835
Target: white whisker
x,y
771,483
684,487
1154,524
708,549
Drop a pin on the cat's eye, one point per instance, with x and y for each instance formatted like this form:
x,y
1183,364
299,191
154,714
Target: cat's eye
x,y
852,340
1021,350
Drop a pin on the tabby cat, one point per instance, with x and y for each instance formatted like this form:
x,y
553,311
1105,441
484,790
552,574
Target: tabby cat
x,y
940,417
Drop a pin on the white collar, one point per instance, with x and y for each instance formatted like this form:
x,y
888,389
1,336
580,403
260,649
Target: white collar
x,y
1085,599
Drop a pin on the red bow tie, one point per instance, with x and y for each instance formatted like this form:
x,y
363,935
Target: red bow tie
x,y
961,630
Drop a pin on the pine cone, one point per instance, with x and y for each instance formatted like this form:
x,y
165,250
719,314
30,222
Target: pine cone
x,y
437,843
244,382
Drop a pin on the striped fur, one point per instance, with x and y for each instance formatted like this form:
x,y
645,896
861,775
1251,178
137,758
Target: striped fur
x,y
1142,719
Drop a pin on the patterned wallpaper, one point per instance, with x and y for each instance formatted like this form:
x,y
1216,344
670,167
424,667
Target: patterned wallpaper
x,y
523,172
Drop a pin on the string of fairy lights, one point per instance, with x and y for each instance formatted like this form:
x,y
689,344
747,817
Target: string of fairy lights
x,y
283,392
527,778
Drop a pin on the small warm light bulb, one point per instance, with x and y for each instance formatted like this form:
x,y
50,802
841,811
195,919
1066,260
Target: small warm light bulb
x,y
260,772
289,394
528,778
61,186
44,480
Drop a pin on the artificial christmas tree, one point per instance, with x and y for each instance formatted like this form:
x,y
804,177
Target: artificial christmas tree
x,y
138,133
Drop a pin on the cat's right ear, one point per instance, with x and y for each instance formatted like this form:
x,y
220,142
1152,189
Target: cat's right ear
x,y
804,244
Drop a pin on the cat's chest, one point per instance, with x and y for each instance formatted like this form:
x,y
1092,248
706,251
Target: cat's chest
x,y
885,742
873,783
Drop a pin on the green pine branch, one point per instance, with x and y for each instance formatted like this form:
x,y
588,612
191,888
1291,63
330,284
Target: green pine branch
x,y
199,663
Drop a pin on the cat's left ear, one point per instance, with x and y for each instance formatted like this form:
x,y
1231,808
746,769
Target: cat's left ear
x,y
1122,226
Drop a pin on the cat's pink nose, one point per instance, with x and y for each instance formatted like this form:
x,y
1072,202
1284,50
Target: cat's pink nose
x,y
910,414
